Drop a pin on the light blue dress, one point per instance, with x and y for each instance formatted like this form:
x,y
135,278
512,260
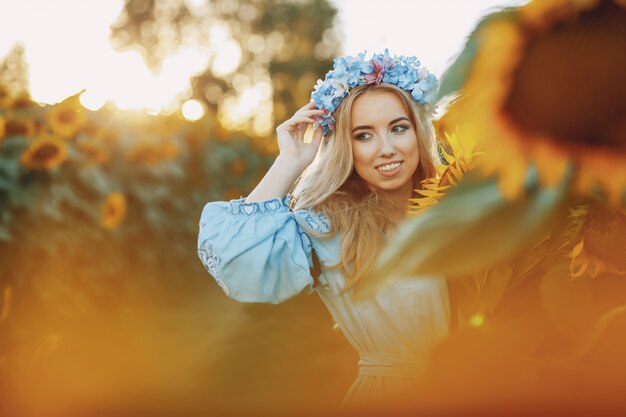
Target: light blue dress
x,y
261,252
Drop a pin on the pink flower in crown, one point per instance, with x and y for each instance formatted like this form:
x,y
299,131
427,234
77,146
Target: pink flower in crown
x,y
379,71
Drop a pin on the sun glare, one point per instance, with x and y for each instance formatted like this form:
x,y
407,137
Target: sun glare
x,y
227,58
92,100
253,103
132,86
192,110
227,52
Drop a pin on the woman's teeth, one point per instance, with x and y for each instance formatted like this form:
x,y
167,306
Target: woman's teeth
x,y
389,167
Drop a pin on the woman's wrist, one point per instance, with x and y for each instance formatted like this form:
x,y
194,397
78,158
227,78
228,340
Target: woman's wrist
x,y
278,180
293,165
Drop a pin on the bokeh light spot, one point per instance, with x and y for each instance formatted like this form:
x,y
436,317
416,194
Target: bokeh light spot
x,y
477,320
193,110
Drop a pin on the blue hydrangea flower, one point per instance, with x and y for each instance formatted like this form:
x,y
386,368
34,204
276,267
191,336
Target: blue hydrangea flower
x,y
348,69
351,71
423,91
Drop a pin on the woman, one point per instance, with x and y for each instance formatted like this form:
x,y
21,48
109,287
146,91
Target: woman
x,y
373,143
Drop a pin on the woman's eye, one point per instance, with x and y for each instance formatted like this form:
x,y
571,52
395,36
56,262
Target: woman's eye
x,y
399,128
363,136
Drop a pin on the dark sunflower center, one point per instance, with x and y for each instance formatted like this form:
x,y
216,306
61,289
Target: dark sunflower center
x,y
571,82
45,152
111,210
604,234
15,127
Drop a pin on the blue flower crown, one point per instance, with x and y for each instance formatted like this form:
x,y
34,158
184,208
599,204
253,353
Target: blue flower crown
x,y
351,71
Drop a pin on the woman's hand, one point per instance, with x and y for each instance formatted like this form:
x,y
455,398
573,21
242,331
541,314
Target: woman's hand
x,y
291,136
295,155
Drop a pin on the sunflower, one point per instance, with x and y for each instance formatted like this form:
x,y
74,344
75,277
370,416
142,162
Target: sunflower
x,y
113,211
460,157
23,101
19,126
601,239
546,88
66,118
45,153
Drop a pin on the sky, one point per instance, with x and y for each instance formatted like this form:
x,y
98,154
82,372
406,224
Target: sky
x,y
67,44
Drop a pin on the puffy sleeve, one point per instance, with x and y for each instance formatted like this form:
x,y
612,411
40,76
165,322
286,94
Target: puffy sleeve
x,y
256,252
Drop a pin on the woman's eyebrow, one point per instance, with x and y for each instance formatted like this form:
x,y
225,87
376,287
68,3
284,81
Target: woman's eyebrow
x,y
390,123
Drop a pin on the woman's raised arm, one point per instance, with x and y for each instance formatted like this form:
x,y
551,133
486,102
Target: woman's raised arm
x,y
294,155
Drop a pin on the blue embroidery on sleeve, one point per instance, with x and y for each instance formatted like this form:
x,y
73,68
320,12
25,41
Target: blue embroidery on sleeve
x,y
211,260
317,221
239,207
312,223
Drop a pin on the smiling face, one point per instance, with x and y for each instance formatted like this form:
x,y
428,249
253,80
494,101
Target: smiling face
x,y
384,142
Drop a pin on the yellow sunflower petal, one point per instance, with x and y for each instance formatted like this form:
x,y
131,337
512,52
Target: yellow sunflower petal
x,y
551,164
511,181
578,267
577,250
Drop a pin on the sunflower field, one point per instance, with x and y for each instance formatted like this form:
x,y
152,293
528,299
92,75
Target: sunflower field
x,y
102,298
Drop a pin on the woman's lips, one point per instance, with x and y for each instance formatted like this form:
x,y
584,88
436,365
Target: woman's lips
x,y
392,172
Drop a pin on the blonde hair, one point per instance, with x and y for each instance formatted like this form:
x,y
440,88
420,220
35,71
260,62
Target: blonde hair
x,y
331,185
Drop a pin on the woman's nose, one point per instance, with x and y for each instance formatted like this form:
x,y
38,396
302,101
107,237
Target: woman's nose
x,y
386,147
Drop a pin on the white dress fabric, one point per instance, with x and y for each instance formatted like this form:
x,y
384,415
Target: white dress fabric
x,y
261,252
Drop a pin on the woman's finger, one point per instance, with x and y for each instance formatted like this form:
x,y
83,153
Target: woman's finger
x,y
295,121
313,112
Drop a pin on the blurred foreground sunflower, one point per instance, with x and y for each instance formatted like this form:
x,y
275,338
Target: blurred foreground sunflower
x,y
546,87
66,118
460,157
113,211
45,153
2,127
600,242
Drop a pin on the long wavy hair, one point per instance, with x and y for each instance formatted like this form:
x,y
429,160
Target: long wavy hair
x,y
331,185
